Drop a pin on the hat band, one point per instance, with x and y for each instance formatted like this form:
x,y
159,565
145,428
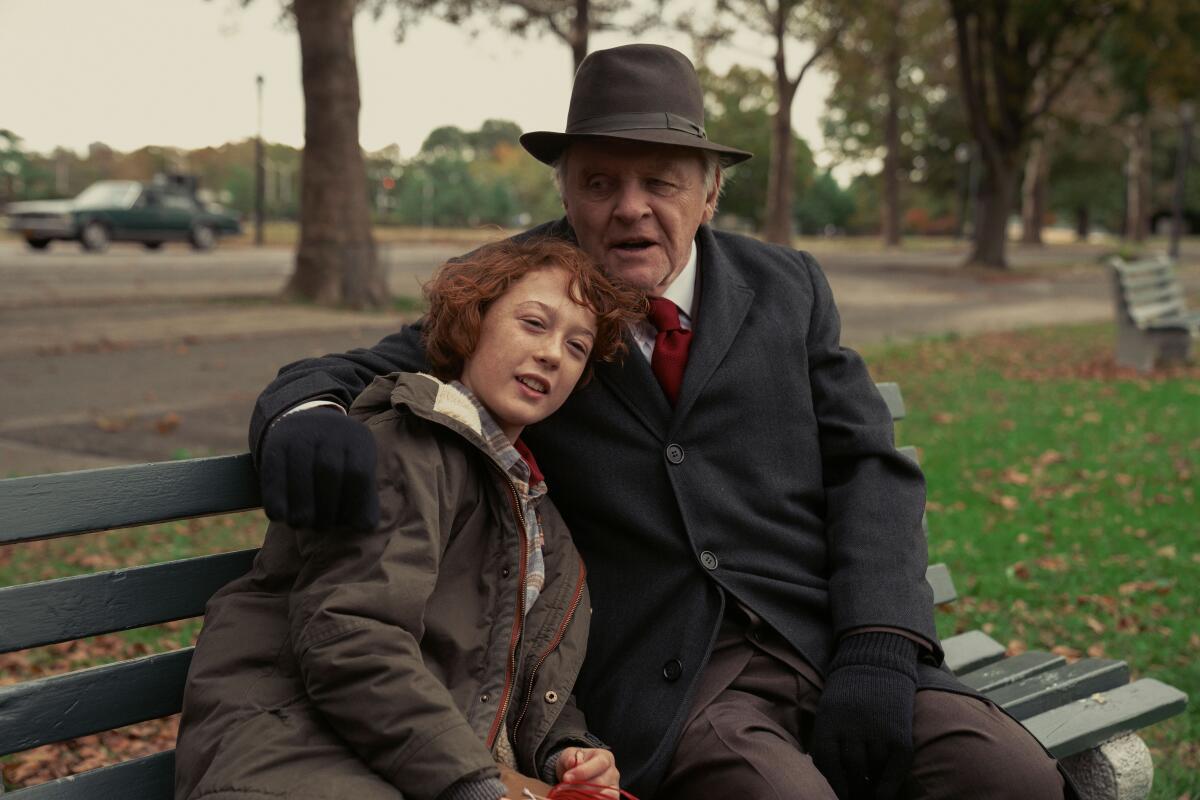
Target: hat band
x,y
648,120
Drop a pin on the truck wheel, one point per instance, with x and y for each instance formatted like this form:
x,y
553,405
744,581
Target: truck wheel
x,y
203,238
38,244
94,237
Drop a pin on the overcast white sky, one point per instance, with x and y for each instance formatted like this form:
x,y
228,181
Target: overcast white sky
x,y
181,73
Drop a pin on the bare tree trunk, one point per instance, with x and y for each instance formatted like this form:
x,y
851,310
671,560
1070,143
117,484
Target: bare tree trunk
x,y
995,201
1137,179
890,222
1083,223
579,32
778,225
1033,192
335,262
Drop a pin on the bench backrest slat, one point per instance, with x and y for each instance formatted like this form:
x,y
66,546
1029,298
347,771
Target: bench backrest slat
x,y
60,610
1152,311
1148,291
1142,267
1156,295
895,401
87,701
43,506
146,777
938,578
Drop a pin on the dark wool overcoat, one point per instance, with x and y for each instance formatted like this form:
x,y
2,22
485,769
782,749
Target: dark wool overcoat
x,y
774,481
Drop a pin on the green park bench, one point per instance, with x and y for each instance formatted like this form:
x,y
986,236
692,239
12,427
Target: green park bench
x,y
1153,321
1086,713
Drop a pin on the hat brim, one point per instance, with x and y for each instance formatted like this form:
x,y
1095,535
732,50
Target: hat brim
x,y
547,146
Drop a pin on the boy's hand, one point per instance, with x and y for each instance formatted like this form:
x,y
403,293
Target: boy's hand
x,y
588,765
517,783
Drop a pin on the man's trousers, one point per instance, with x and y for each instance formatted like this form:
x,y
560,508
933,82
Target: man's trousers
x,y
751,722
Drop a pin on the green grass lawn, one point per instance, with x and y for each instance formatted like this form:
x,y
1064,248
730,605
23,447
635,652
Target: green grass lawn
x,y
1062,494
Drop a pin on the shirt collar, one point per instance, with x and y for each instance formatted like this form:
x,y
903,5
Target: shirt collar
x,y
682,290
524,474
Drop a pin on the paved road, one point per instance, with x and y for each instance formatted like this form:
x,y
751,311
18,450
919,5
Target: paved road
x,y
132,356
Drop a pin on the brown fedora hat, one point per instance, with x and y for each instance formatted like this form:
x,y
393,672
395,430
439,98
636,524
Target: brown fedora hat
x,y
643,92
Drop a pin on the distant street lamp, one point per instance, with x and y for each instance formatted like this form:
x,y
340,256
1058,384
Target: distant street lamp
x,y
963,155
259,172
1187,115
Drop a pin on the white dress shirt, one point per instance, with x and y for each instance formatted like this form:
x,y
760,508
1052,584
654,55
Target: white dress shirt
x,y
681,292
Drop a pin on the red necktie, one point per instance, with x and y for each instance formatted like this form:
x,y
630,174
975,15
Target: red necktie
x,y
670,346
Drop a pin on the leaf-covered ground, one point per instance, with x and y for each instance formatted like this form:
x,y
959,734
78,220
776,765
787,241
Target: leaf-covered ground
x,y
1062,493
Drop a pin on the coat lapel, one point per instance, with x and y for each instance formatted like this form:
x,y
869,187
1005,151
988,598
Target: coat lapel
x,y
638,389
724,302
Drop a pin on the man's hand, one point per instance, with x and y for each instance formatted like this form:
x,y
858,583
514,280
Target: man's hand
x,y
318,471
588,765
862,735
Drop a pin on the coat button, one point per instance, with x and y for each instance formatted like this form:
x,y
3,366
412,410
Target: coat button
x,y
674,454
672,670
504,573
483,698
709,559
551,697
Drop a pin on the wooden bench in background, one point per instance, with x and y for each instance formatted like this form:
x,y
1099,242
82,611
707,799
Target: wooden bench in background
x,y
1086,712
1154,324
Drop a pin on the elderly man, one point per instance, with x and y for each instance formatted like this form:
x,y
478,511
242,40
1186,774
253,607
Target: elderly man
x,y
762,627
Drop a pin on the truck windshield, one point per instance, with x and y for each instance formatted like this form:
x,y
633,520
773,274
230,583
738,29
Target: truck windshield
x,y
108,194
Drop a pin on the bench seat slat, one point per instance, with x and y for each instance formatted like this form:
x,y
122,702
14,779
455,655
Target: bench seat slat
x,y
145,777
1086,723
1010,670
1060,686
43,506
970,651
37,614
1188,322
87,701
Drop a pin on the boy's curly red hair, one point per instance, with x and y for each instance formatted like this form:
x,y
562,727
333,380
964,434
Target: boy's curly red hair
x,y
462,290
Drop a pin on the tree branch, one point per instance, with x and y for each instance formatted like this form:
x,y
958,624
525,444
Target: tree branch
x,y
1056,88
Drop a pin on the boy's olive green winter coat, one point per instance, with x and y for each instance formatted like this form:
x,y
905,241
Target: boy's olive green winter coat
x,y
384,664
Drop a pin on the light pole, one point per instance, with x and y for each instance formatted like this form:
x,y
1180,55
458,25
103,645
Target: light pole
x,y
963,155
1187,114
258,170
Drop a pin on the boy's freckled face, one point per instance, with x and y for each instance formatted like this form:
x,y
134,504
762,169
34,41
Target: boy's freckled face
x,y
534,343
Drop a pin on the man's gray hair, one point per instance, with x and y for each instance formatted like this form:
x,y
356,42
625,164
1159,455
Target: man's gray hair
x,y
711,163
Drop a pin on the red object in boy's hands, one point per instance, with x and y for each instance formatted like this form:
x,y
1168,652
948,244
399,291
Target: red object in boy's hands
x,y
587,791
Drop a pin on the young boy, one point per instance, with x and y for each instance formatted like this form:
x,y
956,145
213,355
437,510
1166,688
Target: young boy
x,y
420,659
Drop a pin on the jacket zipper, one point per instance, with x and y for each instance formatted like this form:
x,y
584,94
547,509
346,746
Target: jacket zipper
x,y
518,623
554,643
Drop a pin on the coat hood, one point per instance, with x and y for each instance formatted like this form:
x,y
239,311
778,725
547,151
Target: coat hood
x,y
426,396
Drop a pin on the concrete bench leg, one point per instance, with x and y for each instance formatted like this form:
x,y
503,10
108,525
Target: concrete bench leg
x,y
1119,769
1135,348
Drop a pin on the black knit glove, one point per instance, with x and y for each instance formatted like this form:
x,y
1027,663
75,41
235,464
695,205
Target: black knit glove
x,y
862,735
318,471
